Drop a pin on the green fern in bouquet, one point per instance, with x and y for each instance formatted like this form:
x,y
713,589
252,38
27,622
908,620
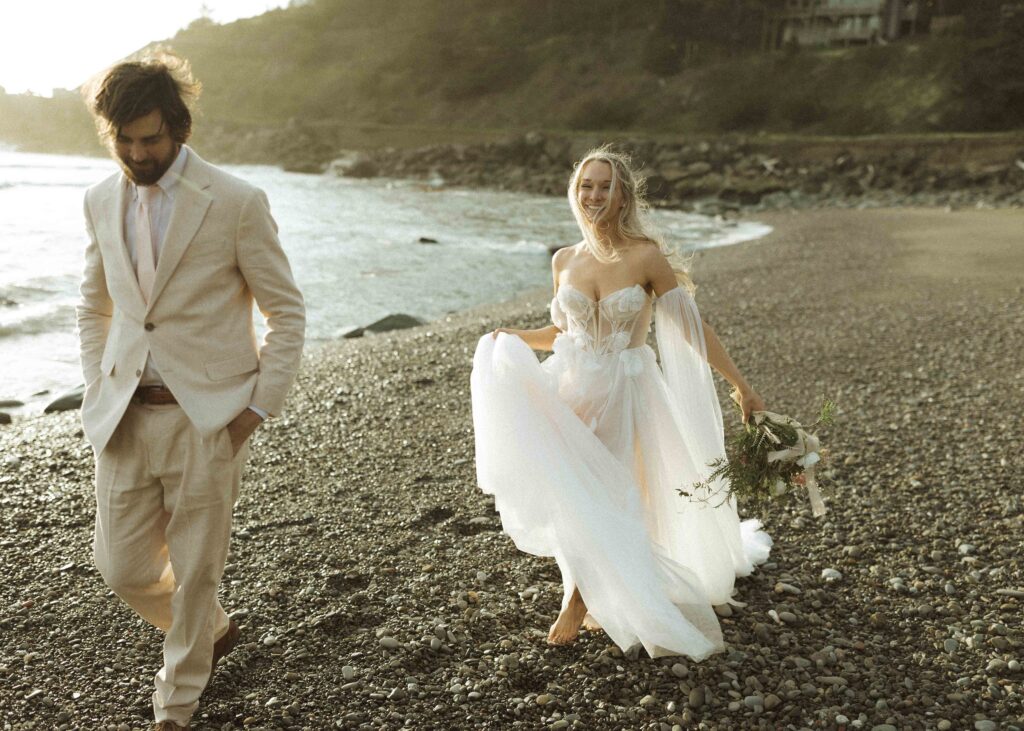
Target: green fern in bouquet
x,y
772,455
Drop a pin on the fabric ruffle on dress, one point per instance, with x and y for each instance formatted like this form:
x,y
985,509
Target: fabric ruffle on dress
x,y
585,453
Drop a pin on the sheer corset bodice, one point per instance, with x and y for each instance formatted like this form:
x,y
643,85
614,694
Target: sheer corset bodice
x,y
615,322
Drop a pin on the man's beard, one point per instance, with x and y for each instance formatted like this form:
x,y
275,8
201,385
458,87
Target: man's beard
x,y
149,172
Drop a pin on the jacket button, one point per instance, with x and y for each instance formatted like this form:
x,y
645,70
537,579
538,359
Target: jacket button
x,y
150,326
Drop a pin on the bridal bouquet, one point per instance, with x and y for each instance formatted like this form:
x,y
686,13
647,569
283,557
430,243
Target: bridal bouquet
x,y
772,455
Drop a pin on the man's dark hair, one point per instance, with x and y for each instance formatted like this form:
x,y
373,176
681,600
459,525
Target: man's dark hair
x,y
133,89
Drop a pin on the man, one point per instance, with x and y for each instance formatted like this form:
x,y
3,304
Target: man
x,y
175,381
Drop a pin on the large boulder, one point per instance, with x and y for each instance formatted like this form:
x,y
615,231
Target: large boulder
x,y
68,402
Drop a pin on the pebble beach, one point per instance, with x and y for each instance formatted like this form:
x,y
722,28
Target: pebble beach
x,y
376,590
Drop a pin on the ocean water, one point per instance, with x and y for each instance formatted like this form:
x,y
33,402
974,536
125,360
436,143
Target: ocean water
x,y
353,244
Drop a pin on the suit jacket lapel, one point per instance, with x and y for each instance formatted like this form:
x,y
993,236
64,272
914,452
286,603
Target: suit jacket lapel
x,y
190,205
110,235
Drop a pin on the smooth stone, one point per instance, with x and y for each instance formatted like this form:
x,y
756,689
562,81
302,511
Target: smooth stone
x,y
680,670
943,725
543,699
723,610
66,402
390,643
348,672
5,418
951,645
753,701
831,680
696,698
995,666
771,701
884,727
393,322
831,575
985,725
647,700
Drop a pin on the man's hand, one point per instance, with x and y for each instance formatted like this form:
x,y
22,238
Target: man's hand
x,y
241,428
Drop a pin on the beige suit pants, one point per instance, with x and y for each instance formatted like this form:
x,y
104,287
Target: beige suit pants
x,y
163,523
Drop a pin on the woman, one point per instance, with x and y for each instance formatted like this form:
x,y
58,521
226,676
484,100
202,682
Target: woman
x,y
585,453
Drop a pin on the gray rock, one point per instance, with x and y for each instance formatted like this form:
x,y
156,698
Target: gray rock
x,y
831,575
67,402
10,404
393,322
353,164
696,698
5,418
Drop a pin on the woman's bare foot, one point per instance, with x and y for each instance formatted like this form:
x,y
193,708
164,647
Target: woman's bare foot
x,y
567,627
590,624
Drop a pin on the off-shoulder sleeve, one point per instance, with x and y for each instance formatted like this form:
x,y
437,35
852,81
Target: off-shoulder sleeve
x,y
683,355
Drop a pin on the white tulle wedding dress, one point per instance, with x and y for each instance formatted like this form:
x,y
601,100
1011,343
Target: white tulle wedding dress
x,y
585,452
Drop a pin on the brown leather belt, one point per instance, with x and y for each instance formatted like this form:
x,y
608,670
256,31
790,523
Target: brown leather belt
x,y
155,395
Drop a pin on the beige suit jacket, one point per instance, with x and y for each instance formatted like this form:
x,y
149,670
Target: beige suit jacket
x,y
220,254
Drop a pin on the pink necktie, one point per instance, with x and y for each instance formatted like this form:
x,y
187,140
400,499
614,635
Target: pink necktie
x,y
145,264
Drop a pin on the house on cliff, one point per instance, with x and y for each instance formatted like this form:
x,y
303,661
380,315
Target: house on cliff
x,y
840,22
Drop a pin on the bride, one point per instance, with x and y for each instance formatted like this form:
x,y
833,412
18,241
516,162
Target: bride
x,y
585,452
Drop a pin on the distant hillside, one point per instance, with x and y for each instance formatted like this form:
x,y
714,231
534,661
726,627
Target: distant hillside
x,y
438,70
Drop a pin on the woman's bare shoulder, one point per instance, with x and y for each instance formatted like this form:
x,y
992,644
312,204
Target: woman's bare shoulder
x,y
562,256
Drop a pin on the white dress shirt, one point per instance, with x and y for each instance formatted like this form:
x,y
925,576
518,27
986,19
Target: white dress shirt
x,y
161,208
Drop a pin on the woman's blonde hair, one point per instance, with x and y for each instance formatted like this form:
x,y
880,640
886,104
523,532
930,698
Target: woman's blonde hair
x,y
633,222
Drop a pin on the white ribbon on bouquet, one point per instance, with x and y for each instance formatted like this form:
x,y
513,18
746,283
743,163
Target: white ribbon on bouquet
x,y
805,453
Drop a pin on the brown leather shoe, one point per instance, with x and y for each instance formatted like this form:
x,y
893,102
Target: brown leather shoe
x,y
171,726
225,644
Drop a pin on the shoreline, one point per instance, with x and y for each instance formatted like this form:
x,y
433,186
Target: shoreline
x,y
360,520
57,372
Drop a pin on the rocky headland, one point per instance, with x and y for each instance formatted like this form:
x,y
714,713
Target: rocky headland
x,y
714,175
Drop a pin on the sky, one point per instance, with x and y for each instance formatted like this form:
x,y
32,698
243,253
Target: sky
x,y
47,44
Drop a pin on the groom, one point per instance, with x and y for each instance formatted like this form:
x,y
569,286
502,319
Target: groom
x,y
175,380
